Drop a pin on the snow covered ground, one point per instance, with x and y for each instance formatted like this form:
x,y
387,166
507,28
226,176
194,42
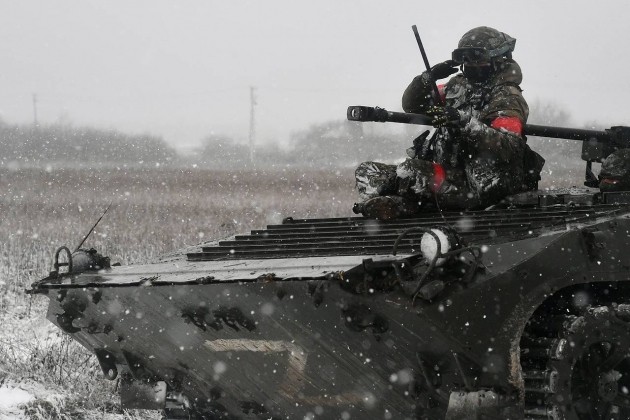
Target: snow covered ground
x,y
12,398
43,374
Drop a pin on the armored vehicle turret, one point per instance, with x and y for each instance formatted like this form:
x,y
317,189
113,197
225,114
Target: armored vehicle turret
x,y
521,311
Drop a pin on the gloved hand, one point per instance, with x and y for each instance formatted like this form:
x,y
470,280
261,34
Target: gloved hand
x,y
417,150
445,116
443,69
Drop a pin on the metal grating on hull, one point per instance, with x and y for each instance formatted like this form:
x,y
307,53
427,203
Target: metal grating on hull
x,y
362,236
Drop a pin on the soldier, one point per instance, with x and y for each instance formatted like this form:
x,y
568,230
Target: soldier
x,y
477,155
615,172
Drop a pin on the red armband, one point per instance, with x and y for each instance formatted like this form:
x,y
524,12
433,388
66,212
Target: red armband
x,y
442,92
512,124
439,175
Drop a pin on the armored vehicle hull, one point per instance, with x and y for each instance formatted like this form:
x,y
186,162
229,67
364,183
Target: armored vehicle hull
x,y
525,316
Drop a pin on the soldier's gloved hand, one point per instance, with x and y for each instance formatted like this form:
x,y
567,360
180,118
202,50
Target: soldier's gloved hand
x,y
418,148
446,116
443,69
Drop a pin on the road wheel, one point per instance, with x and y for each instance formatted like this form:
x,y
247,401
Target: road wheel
x,y
583,373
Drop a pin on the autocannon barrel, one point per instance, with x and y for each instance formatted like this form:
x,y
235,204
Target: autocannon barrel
x,y
564,133
376,114
367,113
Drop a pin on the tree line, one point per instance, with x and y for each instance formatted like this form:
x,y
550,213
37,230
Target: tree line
x,y
33,145
328,144
339,143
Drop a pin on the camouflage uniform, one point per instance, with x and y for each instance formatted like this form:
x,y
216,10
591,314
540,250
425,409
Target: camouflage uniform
x,y
615,172
481,164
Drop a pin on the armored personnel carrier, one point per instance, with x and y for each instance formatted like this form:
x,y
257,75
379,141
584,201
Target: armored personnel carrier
x,y
521,311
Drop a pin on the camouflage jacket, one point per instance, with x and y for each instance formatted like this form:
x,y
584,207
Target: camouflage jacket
x,y
483,103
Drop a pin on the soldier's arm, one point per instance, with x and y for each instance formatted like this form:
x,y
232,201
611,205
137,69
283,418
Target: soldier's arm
x,y
419,94
504,144
501,131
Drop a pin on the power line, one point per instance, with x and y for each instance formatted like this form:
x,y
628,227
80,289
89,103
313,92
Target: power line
x,y
35,110
252,121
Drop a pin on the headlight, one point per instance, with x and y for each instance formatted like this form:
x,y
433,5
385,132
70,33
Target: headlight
x,y
429,246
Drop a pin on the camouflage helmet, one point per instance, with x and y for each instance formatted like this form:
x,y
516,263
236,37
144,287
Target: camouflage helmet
x,y
483,44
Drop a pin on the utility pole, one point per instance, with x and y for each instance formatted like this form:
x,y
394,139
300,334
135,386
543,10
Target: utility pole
x,y
252,122
35,110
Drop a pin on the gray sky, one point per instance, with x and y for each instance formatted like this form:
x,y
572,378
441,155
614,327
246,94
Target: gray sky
x,y
182,69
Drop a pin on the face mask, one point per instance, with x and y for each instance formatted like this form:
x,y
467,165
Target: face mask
x,y
477,73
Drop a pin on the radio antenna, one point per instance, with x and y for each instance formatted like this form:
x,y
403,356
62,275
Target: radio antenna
x,y
93,227
426,64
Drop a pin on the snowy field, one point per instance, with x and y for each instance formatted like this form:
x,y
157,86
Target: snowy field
x,y
43,374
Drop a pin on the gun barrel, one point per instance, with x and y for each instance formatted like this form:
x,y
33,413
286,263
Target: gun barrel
x,y
368,113
376,114
564,133
408,118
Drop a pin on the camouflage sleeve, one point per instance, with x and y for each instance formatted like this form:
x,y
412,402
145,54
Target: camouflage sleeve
x,y
419,94
502,145
506,146
506,101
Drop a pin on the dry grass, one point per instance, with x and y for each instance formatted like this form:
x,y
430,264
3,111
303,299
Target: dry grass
x,y
153,212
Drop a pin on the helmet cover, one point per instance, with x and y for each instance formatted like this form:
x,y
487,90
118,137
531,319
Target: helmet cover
x,y
483,44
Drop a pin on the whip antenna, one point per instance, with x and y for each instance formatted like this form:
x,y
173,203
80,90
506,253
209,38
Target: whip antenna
x,y
93,227
426,64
